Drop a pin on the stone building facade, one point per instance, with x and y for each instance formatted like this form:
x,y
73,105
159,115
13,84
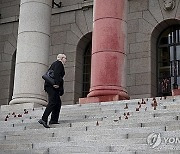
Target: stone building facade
x,y
149,22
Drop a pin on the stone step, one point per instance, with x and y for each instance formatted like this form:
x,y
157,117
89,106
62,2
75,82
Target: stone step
x,y
101,148
92,135
173,127
25,151
121,103
170,123
158,152
134,115
38,113
106,122
107,107
110,124
123,133
161,148
140,152
58,148
113,144
86,112
142,122
16,146
93,125
103,105
77,140
19,107
116,113
97,147
81,150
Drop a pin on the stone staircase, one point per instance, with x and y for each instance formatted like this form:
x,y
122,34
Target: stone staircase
x,y
139,126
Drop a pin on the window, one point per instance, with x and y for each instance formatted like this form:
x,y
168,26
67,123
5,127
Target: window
x,y
168,60
87,70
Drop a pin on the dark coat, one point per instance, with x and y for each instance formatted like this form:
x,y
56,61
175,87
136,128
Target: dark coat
x,y
59,73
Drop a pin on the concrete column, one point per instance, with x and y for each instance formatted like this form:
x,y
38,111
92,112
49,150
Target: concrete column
x,y
108,52
32,51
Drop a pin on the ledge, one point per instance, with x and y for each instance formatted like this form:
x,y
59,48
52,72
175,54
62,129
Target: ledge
x,y
79,6
10,19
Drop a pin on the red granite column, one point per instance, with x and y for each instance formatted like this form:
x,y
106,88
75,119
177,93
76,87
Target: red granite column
x,y
108,52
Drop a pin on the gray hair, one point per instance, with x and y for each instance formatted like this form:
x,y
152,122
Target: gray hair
x,y
60,56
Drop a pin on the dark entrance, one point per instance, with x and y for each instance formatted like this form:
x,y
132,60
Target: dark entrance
x,y
168,50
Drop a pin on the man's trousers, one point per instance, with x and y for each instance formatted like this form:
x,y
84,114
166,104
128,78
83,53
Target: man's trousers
x,y
54,105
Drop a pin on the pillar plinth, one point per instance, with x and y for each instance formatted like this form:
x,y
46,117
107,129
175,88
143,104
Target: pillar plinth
x,y
32,51
108,52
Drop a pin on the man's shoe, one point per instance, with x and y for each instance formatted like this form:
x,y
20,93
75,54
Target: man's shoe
x,y
42,122
53,122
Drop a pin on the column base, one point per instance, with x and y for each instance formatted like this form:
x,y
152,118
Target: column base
x,y
98,99
28,100
19,107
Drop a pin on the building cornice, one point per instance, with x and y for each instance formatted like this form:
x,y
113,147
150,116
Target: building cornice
x,y
9,19
80,6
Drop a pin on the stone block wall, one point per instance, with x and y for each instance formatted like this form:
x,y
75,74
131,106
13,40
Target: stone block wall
x,y
146,20
9,10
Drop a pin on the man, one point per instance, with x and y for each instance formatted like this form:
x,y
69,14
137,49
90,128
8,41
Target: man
x,y
54,92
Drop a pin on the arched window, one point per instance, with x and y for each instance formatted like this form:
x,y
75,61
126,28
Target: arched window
x,y
87,70
168,53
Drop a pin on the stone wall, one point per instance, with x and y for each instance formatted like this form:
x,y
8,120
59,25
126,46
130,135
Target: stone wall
x,y
146,20
9,10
